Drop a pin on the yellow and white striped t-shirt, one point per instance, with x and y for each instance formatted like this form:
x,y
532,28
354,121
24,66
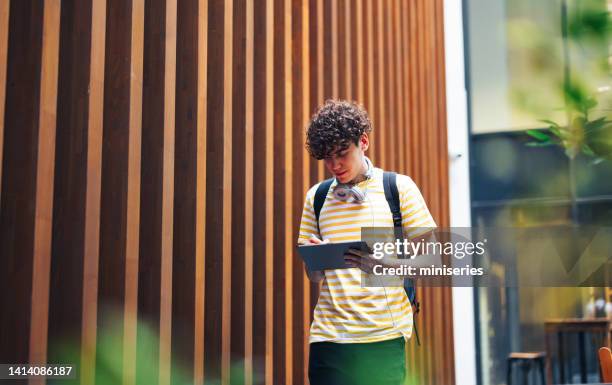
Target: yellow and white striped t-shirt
x,y
345,311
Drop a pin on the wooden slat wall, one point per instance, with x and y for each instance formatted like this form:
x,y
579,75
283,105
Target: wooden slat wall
x,y
153,175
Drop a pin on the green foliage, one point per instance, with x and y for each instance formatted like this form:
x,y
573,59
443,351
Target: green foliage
x,y
586,68
589,137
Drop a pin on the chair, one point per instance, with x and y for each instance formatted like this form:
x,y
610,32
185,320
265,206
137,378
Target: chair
x,y
605,364
526,362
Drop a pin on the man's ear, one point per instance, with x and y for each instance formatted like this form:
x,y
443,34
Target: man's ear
x,y
364,142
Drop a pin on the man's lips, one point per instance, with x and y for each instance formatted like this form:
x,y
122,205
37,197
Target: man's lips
x,y
340,173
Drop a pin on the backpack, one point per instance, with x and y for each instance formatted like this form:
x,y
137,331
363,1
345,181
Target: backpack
x,y
392,196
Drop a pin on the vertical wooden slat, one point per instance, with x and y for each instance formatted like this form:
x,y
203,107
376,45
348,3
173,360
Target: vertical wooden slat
x,y
370,70
5,7
313,65
278,197
238,201
415,80
449,371
341,48
294,305
133,192
93,190
399,98
358,31
152,192
259,92
409,28
349,50
19,174
327,50
200,193
333,49
440,78
249,159
322,70
288,190
157,193
301,165
269,183
422,92
44,185
406,84
382,116
317,168
215,312
306,98
187,337
432,181
70,182
429,92
378,47
227,191
389,81
167,205
117,189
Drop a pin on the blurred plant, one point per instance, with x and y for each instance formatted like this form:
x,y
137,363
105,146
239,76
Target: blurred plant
x,y
584,54
107,360
592,137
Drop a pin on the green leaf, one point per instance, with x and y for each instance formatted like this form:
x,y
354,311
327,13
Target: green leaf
x,y
596,124
587,150
539,144
537,134
549,122
590,103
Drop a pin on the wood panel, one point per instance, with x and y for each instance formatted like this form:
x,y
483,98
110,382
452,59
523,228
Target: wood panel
x,y
186,262
5,7
93,191
155,151
239,192
19,170
69,215
43,222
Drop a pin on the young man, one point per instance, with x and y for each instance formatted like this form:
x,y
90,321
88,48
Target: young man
x,y
358,333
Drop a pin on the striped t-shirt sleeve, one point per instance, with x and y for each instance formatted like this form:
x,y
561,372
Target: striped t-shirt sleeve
x,y
416,218
308,224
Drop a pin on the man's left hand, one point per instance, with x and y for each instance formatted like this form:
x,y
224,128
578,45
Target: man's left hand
x,y
361,259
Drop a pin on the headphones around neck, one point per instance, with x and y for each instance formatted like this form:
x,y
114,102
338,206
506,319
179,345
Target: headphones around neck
x,y
346,192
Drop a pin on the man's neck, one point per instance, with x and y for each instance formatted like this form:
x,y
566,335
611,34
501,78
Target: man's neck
x,y
362,173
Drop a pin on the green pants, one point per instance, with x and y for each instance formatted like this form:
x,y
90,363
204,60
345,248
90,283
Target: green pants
x,y
375,363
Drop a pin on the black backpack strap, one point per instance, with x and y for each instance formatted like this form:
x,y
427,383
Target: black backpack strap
x,y
392,196
319,198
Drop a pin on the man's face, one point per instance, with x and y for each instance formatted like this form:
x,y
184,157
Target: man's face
x,y
347,164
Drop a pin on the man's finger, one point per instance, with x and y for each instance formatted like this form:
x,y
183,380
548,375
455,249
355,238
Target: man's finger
x,y
352,257
356,252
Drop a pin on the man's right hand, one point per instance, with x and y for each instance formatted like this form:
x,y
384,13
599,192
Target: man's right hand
x,y
315,276
316,241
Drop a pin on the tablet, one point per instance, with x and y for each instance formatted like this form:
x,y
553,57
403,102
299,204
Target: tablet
x,y
328,256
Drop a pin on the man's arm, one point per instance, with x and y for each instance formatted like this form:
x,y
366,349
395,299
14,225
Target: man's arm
x,y
419,260
309,231
366,261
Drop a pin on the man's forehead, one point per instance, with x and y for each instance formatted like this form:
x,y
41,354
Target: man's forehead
x,y
338,149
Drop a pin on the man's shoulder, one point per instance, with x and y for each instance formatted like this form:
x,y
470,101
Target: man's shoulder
x,y
313,190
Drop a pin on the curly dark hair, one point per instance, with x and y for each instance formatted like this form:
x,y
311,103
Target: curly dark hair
x,y
334,126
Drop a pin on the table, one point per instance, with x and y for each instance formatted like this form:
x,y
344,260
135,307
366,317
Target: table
x,y
581,326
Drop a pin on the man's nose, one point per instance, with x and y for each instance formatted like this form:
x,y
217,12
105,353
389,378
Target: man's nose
x,y
335,165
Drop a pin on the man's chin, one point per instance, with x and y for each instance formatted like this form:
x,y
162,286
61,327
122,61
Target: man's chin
x,y
343,179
